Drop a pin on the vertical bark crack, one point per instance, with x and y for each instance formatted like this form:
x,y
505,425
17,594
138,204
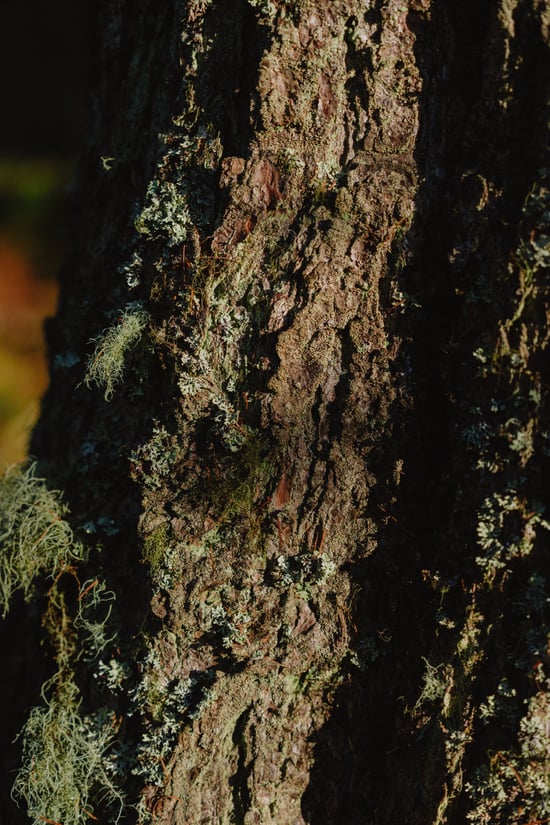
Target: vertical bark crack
x,y
229,74
239,780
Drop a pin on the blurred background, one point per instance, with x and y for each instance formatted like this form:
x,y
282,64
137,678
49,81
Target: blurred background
x,y
44,65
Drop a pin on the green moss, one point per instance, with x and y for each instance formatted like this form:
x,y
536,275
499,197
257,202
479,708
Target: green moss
x,y
239,497
35,538
154,548
106,364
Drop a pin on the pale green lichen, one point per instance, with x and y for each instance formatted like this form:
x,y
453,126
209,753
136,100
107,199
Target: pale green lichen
x,y
499,705
165,214
437,681
71,766
303,571
113,674
264,7
35,538
168,705
95,604
507,528
106,364
513,787
215,361
67,764
156,458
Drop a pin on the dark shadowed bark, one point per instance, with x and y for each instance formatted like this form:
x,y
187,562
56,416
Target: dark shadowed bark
x,y
299,412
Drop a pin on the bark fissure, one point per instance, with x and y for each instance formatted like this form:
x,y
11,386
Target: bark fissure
x,y
239,781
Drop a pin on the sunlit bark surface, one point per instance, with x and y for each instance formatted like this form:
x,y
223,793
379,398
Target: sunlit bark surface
x,y
317,486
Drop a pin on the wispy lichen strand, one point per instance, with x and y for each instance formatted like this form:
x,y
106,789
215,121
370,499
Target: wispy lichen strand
x,y
35,538
106,364
66,762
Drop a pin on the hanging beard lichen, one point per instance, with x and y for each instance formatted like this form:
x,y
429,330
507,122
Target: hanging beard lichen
x,y
35,538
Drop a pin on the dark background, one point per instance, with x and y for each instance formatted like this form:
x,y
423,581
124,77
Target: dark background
x,y
44,59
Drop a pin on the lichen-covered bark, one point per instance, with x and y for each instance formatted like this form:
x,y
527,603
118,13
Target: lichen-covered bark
x,y
298,400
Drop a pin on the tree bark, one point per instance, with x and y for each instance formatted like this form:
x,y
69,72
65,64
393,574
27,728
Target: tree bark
x,y
298,406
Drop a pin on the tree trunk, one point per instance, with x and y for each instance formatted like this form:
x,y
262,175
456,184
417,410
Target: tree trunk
x,y
299,386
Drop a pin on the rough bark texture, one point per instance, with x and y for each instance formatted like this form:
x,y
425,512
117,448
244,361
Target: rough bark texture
x,y
318,491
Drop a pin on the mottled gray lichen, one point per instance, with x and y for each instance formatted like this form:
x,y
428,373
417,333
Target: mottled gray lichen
x,y
165,215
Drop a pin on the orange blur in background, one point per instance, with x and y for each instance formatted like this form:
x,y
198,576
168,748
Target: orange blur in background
x,y
31,249
24,302
45,51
